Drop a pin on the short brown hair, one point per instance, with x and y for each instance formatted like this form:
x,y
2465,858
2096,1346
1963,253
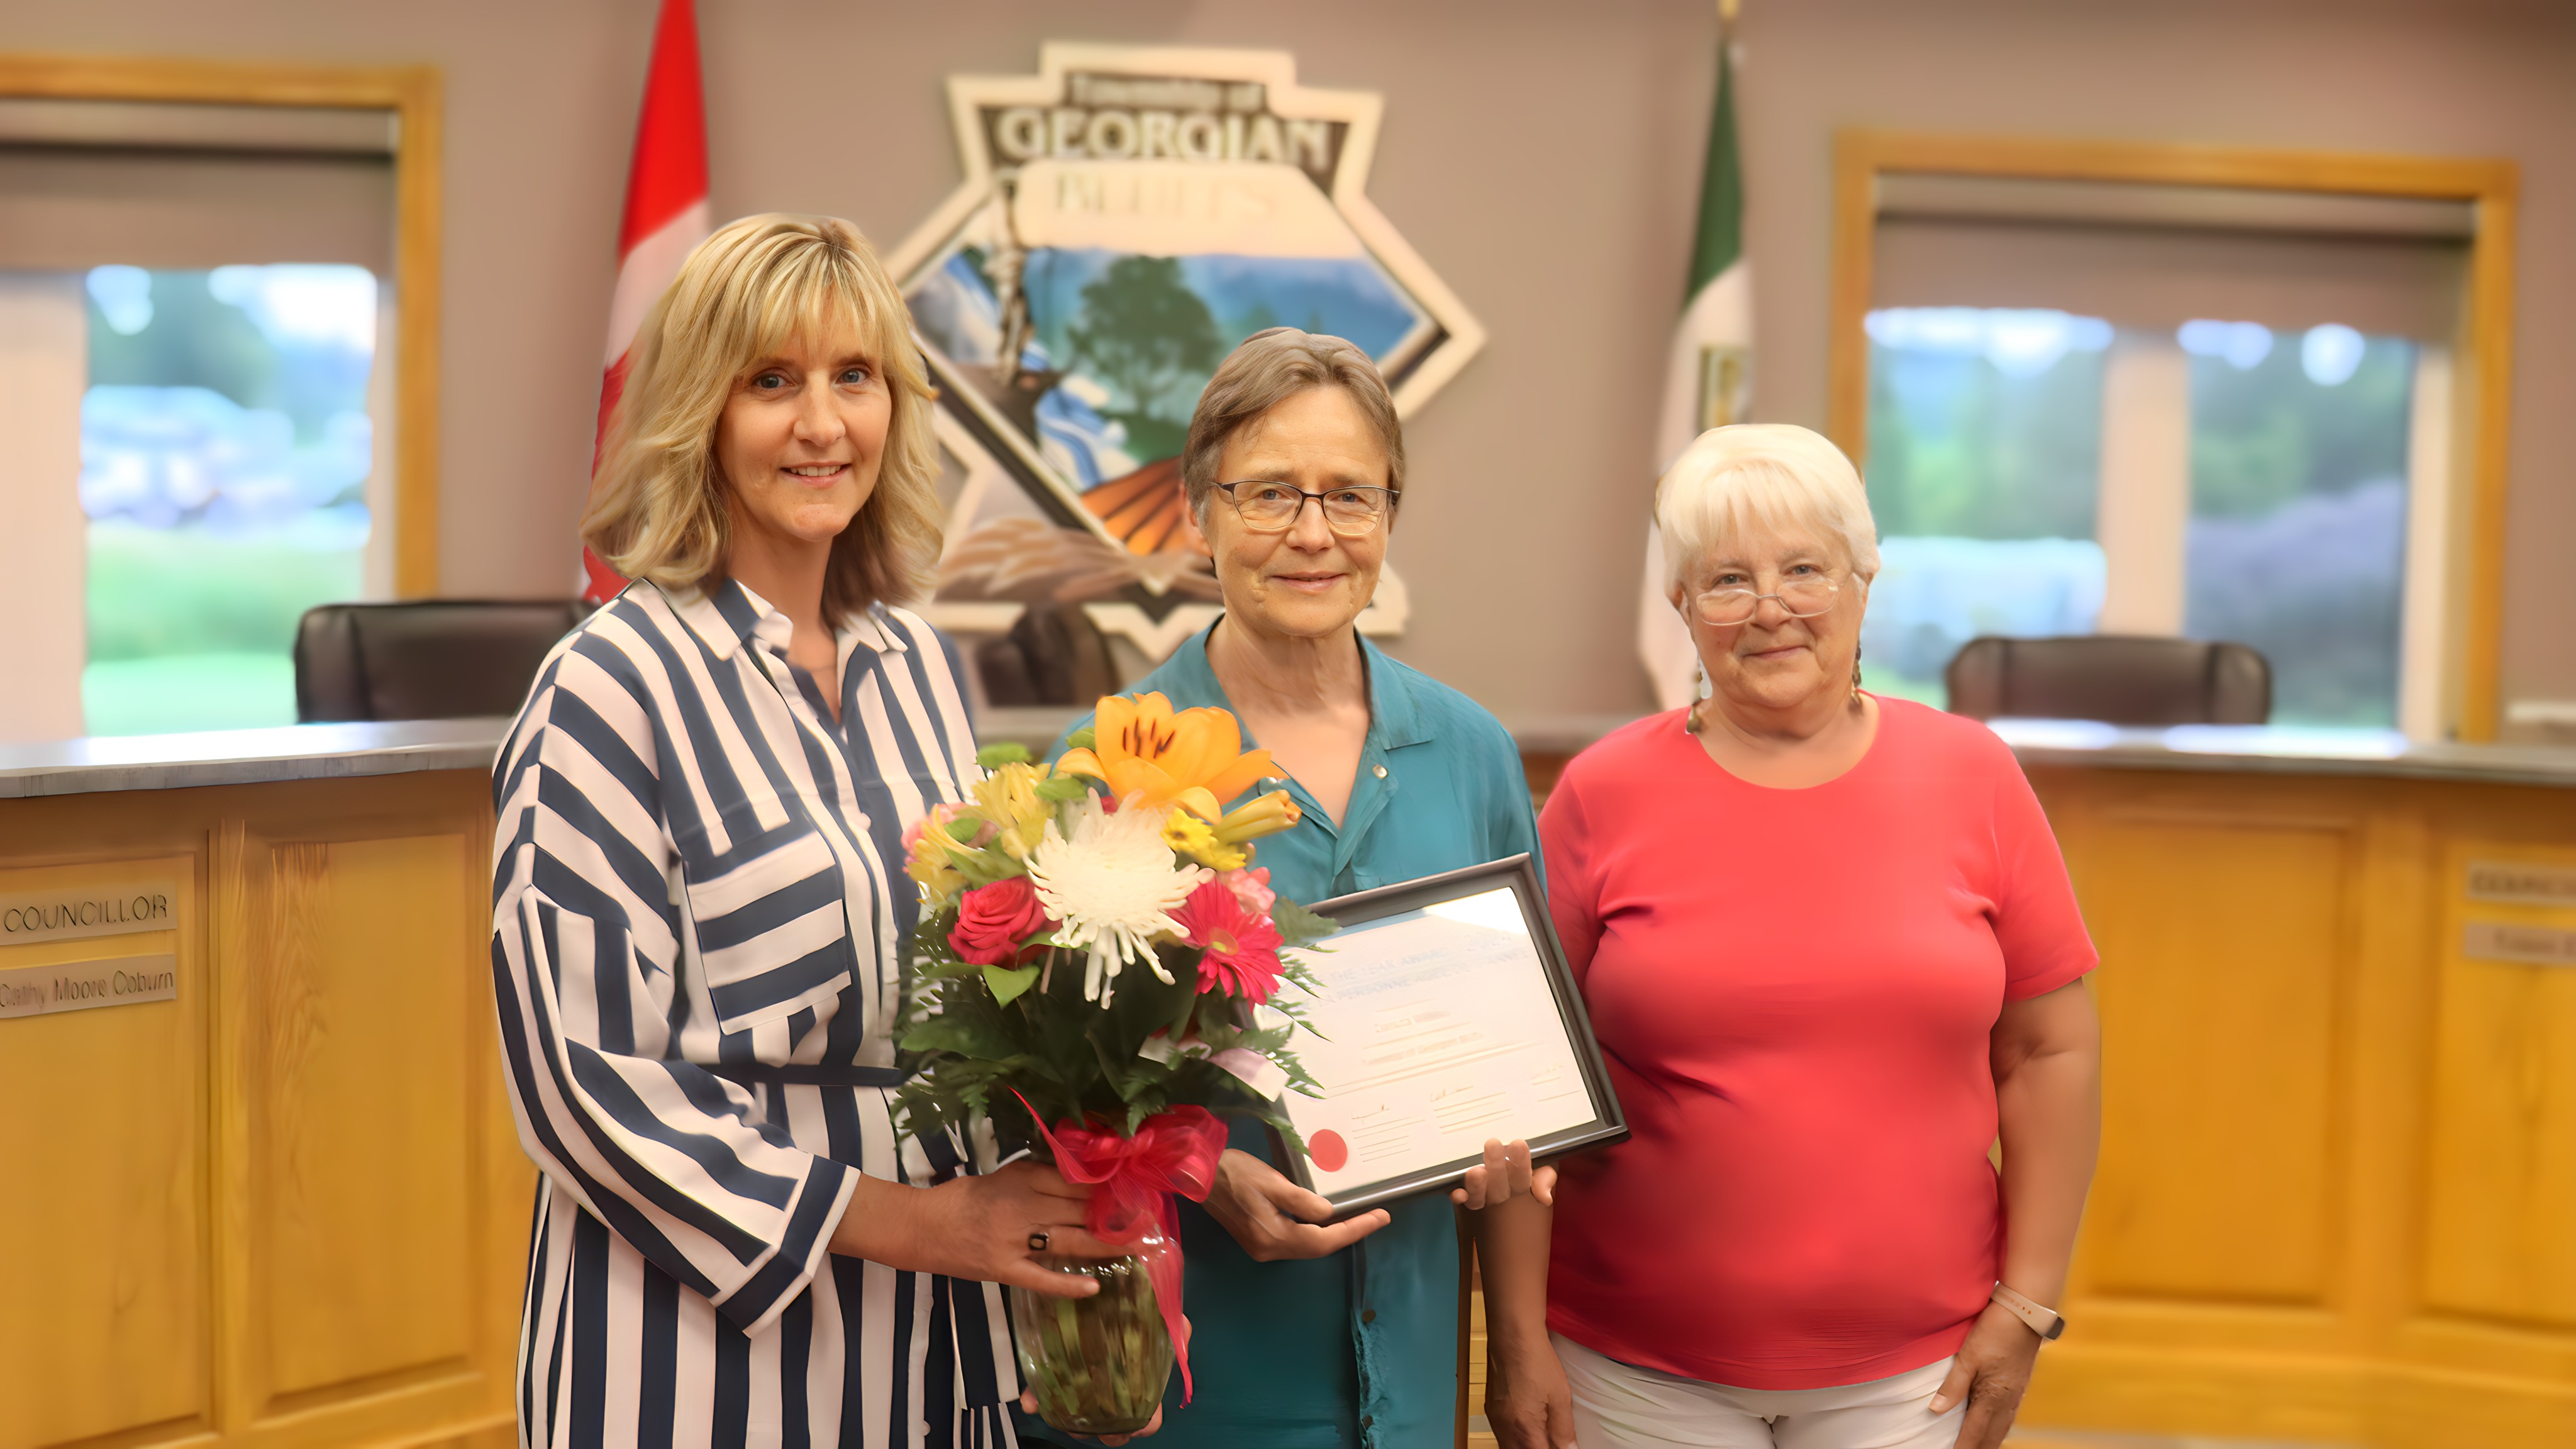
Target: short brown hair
x,y
1267,370
657,500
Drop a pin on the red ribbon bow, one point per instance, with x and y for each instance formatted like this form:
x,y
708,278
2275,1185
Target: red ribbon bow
x,y
1132,1180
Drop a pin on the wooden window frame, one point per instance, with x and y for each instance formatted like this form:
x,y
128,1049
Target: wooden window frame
x,y
2482,348
412,93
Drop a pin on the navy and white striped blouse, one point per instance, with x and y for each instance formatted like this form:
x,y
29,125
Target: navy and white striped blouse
x,y
695,867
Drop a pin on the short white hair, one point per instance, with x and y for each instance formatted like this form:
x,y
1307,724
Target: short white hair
x,y
1761,477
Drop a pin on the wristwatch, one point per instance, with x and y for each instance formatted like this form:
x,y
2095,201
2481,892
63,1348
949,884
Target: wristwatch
x,y
2048,1323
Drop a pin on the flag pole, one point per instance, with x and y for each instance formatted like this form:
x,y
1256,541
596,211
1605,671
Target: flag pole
x,y
1709,365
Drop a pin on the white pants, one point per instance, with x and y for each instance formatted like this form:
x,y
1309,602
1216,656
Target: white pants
x,y
1622,1406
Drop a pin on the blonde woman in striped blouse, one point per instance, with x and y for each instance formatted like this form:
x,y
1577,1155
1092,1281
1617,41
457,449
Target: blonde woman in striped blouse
x,y
699,904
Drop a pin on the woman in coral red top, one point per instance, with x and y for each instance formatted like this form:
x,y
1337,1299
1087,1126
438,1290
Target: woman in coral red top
x,y
1832,954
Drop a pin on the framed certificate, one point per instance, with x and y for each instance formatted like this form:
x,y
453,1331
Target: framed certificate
x,y
1445,1015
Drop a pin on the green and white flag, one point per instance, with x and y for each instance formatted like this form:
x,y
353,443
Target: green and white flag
x,y
1709,377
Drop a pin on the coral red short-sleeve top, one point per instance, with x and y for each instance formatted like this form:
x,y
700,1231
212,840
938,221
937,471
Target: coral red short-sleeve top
x,y
1795,989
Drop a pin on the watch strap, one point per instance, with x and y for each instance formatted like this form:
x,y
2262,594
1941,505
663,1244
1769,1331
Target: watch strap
x,y
2047,1322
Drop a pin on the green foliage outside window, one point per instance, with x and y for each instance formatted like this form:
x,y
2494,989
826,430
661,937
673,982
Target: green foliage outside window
x,y
192,340
2267,434
2298,528
1959,448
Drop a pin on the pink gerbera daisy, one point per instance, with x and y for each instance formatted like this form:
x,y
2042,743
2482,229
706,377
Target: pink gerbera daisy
x,y
1239,946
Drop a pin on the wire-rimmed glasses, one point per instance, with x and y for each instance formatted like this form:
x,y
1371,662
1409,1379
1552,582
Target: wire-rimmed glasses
x,y
1266,506
1801,596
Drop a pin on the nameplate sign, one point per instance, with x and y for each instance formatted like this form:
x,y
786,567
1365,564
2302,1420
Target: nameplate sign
x,y
2522,883
2528,945
76,911
80,985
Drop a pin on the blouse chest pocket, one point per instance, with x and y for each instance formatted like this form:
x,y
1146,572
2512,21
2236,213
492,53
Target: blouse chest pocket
x,y
771,933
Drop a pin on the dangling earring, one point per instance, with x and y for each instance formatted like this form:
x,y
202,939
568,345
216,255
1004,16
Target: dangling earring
x,y
1855,671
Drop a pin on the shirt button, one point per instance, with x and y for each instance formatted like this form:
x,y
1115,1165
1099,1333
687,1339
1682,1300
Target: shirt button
x,y
1368,1315
1366,1420
1381,771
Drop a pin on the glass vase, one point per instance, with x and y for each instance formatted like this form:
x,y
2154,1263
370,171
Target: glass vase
x,y
1097,1365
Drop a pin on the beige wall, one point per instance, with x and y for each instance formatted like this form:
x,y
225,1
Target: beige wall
x,y
1542,156
44,364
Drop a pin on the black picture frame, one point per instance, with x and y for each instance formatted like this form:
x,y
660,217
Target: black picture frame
x,y
1608,1124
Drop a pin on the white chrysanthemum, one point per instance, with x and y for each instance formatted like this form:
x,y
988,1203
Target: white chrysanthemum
x,y
1113,884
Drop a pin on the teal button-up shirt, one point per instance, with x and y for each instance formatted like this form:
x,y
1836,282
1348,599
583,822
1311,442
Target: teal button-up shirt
x,y
1361,1348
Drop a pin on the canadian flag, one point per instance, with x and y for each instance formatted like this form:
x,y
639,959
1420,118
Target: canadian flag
x,y
666,215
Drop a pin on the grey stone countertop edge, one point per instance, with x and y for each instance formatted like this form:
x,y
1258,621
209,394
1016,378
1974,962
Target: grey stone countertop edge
x,y
321,752
327,751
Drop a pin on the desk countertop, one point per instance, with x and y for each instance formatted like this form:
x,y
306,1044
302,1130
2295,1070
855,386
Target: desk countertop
x,y
2283,750
319,751
323,751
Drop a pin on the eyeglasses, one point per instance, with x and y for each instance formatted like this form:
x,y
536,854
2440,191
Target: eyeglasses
x,y
1273,507
1802,597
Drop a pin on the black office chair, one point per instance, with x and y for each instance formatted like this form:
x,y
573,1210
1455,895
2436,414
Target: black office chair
x,y
424,659
1053,655
2118,678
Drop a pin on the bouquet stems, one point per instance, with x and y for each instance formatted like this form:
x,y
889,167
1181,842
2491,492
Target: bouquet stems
x,y
1098,1365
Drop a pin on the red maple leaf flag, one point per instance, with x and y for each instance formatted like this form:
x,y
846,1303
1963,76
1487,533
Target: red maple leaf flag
x,y
666,214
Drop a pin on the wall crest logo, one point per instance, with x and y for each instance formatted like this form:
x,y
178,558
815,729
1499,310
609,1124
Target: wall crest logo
x,y
1128,215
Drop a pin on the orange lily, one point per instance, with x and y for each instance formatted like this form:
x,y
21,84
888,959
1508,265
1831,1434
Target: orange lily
x,y
1142,749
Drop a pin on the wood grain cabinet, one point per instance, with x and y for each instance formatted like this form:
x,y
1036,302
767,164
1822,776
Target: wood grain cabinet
x,y
287,1207
2337,1199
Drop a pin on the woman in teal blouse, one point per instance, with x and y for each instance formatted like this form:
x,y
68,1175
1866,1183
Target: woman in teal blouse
x,y
1309,1334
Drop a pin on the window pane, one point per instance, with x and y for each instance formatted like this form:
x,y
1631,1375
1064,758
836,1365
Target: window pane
x,y
2297,540
225,447
1985,446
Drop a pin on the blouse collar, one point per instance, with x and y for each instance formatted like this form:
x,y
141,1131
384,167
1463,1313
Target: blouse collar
x,y
729,615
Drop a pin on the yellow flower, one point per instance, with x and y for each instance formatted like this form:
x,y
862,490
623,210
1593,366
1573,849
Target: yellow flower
x,y
1267,815
1142,750
1008,797
1191,836
932,858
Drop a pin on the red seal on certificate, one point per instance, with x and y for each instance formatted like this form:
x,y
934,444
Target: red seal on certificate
x,y
1328,1150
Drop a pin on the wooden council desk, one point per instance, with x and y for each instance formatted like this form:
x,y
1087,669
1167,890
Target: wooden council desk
x,y
262,1185
2337,1198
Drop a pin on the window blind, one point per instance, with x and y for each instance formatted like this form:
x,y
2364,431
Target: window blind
x,y
190,187
2155,256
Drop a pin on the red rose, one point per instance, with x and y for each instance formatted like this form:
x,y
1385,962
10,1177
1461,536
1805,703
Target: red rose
x,y
993,921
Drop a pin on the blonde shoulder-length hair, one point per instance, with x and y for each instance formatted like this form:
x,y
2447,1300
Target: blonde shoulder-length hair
x,y
658,505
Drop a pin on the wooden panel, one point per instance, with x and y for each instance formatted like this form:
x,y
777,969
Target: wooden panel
x,y
287,1210
2500,1220
368,1025
2219,993
103,1232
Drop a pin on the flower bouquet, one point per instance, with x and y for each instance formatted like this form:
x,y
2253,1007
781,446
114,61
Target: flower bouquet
x,y
1097,951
